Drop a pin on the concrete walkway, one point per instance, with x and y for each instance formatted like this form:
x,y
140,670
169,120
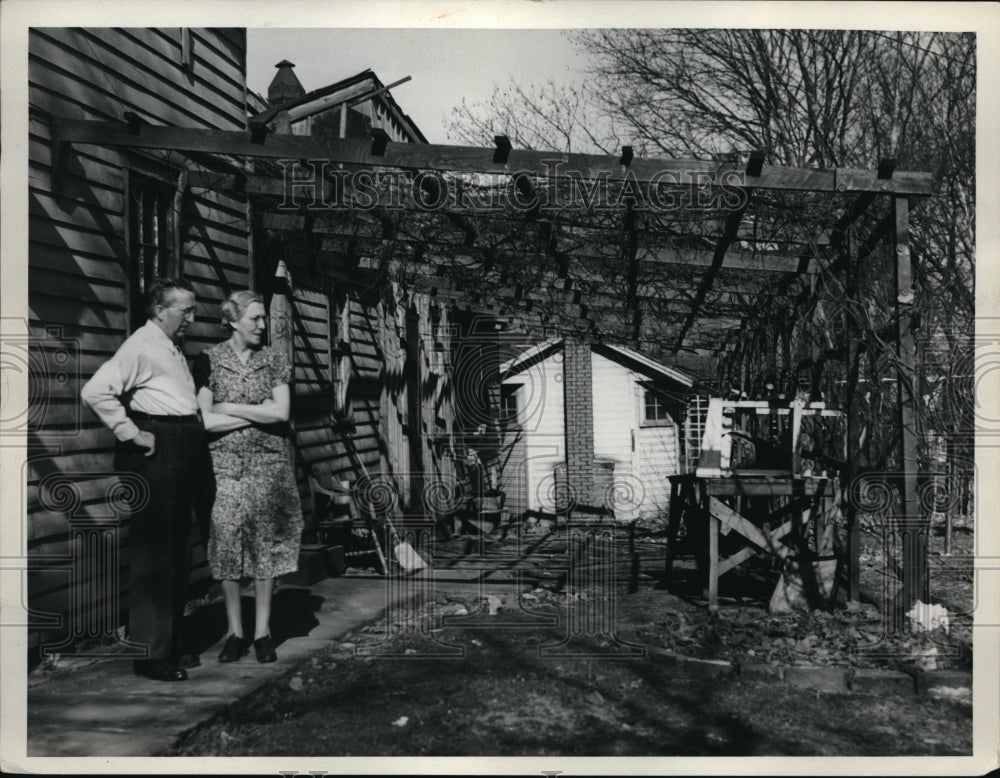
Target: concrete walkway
x,y
89,707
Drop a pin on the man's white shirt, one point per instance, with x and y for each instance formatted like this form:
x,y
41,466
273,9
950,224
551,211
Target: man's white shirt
x,y
151,372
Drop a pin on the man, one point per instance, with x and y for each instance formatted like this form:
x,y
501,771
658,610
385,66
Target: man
x,y
145,395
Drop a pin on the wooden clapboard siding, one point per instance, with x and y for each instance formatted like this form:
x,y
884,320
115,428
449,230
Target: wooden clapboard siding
x,y
78,265
436,415
311,384
615,411
82,311
657,449
541,416
222,275
66,215
436,391
364,389
643,455
111,69
393,401
78,255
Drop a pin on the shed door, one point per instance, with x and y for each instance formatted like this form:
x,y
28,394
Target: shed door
x,y
654,457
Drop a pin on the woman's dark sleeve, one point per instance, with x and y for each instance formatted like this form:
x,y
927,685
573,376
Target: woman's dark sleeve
x,y
201,370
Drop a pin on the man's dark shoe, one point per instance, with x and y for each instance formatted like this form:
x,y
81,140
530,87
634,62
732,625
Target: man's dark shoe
x,y
189,660
265,649
159,670
234,649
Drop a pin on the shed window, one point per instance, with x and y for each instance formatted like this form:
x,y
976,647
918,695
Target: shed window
x,y
654,408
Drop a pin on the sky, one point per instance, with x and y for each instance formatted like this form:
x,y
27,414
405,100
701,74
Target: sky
x,y
445,65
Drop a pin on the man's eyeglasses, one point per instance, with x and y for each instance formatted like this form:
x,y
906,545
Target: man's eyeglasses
x,y
184,311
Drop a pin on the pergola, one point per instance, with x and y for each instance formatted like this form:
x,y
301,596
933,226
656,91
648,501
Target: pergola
x,y
712,265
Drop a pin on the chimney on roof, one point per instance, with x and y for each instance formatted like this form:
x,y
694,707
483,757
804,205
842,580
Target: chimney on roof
x,y
285,85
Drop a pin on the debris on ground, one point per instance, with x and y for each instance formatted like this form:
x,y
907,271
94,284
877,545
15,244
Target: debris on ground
x,y
926,617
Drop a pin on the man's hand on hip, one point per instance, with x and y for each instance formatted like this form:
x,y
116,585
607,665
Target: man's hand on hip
x,y
146,440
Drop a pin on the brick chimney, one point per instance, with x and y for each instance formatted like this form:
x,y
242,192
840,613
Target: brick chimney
x,y
285,85
579,402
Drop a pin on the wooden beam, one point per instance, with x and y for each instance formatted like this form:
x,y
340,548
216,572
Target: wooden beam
x,y
420,156
563,319
548,287
750,262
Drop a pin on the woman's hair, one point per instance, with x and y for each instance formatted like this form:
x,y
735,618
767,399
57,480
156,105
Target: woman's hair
x,y
236,304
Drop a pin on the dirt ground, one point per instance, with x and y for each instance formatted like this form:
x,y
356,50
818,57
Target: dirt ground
x,y
557,672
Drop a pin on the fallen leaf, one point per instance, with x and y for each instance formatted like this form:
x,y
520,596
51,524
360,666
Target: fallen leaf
x,y
402,721
595,698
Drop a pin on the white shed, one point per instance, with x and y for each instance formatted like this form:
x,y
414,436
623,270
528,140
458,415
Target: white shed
x,y
635,406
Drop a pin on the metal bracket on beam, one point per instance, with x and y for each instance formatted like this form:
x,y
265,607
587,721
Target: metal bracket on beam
x,y
627,156
135,122
886,168
755,165
503,147
258,132
851,180
380,139
526,189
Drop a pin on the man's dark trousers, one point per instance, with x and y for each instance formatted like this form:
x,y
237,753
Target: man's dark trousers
x,y
159,529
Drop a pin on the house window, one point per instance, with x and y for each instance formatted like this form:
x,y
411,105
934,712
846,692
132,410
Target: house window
x,y
150,239
654,408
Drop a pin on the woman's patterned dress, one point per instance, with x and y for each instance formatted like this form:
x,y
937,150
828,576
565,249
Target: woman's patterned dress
x,y
256,517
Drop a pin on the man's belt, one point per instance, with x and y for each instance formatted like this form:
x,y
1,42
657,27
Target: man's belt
x,y
165,418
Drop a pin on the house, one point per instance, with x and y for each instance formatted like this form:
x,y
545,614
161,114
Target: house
x,y
104,223
616,407
373,389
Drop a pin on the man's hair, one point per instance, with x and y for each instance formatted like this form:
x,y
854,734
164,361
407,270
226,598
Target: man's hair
x,y
159,292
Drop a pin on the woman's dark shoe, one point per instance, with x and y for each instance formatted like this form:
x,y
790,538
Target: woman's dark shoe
x,y
235,648
265,649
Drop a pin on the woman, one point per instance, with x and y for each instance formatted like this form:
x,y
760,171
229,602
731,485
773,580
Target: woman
x,y
256,523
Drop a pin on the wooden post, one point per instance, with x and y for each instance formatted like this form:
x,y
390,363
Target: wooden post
x,y
912,526
673,526
853,453
795,422
713,555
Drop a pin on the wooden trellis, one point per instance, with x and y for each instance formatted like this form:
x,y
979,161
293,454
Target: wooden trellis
x,y
681,283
